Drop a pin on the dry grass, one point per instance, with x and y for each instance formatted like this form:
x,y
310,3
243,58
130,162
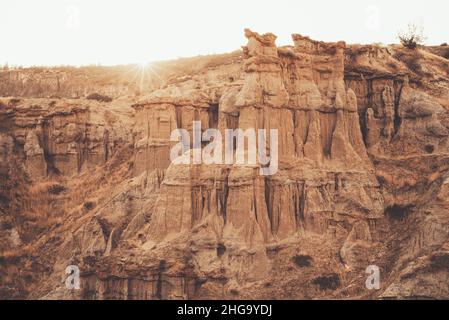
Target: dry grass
x,y
99,97
38,210
406,180
412,59
10,254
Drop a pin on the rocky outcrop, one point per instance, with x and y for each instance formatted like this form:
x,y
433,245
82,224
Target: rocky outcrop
x,y
64,138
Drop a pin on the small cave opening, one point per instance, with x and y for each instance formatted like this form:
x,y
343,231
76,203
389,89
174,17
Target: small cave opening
x,y
398,212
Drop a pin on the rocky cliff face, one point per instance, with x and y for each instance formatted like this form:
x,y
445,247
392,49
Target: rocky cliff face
x,y
362,179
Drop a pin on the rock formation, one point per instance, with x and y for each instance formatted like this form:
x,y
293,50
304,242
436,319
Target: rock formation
x,y
362,179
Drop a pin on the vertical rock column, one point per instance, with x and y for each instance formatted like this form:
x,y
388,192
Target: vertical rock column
x,y
35,158
263,99
326,119
262,104
154,124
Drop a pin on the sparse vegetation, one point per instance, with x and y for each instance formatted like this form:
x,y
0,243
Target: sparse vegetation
x,y
89,205
328,282
413,64
439,262
429,148
446,54
234,292
99,97
14,101
56,189
398,212
413,37
302,261
412,59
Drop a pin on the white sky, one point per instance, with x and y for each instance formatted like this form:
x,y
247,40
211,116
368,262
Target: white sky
x,y
55,32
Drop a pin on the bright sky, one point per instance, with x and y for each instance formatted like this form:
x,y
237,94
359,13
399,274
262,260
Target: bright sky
x,y
78,32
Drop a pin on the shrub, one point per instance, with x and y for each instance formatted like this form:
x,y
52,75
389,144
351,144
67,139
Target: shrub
x,y
439,262
14,101
89,205
398,212
302,261
429,148
414,64
413,37
56,189
234,292
446,54
99,97
411,60
328,282
221,249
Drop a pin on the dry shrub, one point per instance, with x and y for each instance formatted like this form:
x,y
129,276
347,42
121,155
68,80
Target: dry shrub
x,y
446,54
412,59
14,253
396,180
413,64
327,282
398,212
302,261
40,212
14,101
99,97
46,187
413,37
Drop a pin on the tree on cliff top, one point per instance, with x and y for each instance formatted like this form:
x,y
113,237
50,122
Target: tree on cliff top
x,y
413,37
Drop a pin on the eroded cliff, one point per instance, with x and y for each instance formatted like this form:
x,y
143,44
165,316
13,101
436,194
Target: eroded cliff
x,y
362,178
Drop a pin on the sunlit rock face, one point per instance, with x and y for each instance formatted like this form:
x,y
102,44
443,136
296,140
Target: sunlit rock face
x,y
361,179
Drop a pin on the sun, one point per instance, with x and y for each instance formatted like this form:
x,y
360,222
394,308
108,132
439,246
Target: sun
x,y
143,64
144,72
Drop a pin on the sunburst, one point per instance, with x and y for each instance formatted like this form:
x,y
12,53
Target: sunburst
x,y
142,73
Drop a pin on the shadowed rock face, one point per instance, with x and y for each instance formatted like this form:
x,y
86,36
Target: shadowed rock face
x,y
362,180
